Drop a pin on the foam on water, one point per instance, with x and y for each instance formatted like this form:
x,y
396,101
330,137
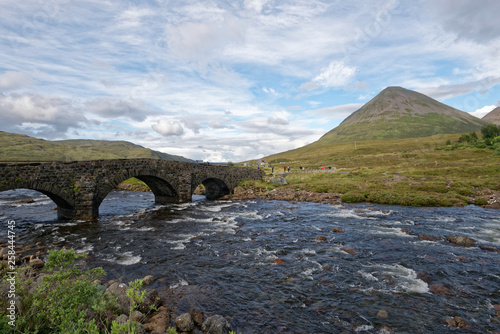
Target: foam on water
x,y
126,258
399,279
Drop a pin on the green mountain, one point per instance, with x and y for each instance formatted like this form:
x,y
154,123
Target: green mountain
x,y
397,113
16,147
493,116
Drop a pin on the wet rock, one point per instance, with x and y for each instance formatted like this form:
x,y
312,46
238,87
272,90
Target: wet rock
x,y
279,261
26,201
36,263
119,291
428,237
461,241
216,324
184,322
496,308
150,302
382,314
405,230
338,230
197,316
456,322
424,276
349,250
385,330
149,279
159,322
490,249
321,238
439,289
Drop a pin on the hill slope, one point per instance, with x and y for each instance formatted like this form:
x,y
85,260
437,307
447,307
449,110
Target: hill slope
x,y
16,147
493,116
397,113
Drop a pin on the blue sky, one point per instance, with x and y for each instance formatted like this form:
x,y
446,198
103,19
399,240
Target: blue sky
x,y
234,80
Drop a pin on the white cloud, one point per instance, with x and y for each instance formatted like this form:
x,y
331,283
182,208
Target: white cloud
x,y
168,128
481,112
11,80
336,74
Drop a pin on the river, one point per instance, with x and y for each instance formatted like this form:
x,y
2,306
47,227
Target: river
x,y
373,272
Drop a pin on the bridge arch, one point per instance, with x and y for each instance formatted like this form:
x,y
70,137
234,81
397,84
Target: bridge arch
x,y
163,188
65,205
215,188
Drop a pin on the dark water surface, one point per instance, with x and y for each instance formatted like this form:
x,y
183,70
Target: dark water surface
x,y
225,251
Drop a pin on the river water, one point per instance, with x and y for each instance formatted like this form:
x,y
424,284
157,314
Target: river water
x,y
221,255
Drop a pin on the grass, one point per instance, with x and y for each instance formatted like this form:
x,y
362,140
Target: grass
x,y
418,171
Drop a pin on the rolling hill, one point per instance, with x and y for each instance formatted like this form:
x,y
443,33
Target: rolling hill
x,y
397,113
493,116
17,147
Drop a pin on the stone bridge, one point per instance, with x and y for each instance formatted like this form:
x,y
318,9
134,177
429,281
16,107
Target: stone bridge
x,y
78,188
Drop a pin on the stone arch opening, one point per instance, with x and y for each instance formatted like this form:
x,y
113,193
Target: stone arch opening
x,y
65,210
215,188
162,189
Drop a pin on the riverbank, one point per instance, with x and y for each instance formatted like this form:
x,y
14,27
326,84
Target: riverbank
x,y
88,301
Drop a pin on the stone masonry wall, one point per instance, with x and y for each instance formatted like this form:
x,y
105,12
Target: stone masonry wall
x,y
78,188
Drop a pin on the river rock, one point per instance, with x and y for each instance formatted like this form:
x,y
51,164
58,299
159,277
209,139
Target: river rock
x,y
461,241
338,230
151,301
149,279
216,324
279,261
496,308
439,289
197,316
382,314
456,322
119,291
321,238
428,237
36,263
385,330
184,322
490,249
349,250
26,201
159,322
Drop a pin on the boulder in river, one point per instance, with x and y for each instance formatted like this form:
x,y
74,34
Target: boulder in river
x,y
184,322
216,324
461,241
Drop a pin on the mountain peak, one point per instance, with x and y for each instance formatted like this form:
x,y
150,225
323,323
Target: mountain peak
x,y
493,116
397,112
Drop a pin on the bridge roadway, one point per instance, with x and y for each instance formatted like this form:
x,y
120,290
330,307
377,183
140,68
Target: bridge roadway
x,y
78,188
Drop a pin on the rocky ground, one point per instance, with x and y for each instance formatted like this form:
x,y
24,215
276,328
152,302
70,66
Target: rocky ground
x,y
285,193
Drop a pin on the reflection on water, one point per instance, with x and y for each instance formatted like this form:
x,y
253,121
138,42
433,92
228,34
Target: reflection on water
x,y
375,272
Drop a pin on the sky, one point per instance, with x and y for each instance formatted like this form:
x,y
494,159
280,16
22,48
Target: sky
x,y
234,80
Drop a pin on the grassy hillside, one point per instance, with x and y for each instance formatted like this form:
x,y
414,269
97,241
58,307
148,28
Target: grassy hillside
x,y
418,171
16,147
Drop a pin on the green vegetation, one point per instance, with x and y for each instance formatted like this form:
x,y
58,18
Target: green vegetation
x,y
416,171
16,147
63,299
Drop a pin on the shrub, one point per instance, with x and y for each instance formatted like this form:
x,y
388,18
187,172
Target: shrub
x,y
64,299
490,131
353,197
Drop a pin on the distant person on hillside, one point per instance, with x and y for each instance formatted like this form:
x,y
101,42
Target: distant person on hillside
x,y
272,169
288,169
284,169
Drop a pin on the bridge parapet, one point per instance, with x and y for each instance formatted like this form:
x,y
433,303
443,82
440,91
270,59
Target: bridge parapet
x,y
78,188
